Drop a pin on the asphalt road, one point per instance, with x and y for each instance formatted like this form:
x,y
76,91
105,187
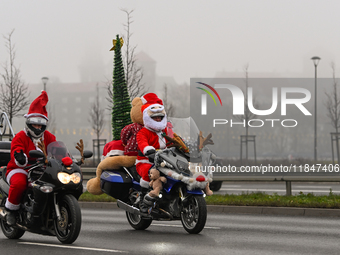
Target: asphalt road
x,y
107,232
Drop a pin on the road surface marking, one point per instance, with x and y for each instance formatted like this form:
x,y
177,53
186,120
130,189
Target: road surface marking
x,y
71,247
179,226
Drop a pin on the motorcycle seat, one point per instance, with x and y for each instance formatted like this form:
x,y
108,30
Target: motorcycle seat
x,y
132,170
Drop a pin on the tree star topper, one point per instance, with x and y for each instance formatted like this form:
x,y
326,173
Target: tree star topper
x,y
114,43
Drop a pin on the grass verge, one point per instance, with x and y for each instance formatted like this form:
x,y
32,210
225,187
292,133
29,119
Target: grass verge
x,y
253,199
309,200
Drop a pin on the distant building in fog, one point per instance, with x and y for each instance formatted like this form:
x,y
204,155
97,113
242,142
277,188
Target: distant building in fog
x,y
149,70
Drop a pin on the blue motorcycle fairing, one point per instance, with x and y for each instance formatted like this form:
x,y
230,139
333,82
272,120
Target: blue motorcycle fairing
x,y
169,184
112,176
195,192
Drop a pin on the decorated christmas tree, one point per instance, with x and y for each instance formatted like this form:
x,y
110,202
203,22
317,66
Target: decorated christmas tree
x,y
120,96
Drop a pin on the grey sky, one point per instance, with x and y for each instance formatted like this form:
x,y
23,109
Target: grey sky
x,y
186,38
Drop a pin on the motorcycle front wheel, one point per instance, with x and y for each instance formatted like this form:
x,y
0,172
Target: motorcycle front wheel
x,y
67,228
194,214
9,231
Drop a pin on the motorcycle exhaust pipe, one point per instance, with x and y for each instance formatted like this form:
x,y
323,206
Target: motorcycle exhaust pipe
x,y
128,208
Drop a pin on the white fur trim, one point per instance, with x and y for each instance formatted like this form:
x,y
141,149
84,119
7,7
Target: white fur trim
x,y
112,153
35,114
144,184
148,148
143,161
13,172
143,100
11,206
18,164
153,105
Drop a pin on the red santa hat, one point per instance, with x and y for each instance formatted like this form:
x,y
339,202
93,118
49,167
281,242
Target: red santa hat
x,y
38,107
150,99
113,148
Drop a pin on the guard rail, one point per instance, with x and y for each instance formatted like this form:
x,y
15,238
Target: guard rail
x,y
90,172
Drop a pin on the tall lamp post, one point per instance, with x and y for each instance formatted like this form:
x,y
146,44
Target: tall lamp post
x,y
44,81
316,62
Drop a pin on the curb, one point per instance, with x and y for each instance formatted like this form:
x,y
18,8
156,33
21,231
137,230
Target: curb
x,y
229,209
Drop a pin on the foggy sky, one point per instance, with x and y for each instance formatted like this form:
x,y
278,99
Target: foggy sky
x,y
186,38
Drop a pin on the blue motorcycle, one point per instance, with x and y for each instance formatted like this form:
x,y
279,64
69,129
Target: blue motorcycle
x,y
181,198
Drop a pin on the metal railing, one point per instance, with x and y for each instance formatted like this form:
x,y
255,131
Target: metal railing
x,y
5,125
90,172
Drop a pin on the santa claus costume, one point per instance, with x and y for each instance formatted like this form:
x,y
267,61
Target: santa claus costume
x,y
150,138
23,142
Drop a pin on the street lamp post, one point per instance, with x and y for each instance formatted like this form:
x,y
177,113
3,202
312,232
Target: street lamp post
x,y
44,81
316,62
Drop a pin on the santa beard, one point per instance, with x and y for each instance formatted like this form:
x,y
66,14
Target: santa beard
x,y
154,125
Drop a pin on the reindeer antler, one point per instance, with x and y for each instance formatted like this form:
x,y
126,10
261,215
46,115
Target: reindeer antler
x,y
177,142
41,146
204,141
80,148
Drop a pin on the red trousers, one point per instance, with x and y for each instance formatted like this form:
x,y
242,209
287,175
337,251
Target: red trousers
x,y
143,170
18,185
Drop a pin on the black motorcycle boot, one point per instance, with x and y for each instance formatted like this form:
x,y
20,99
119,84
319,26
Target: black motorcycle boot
x,y
11,216
148,202
144,191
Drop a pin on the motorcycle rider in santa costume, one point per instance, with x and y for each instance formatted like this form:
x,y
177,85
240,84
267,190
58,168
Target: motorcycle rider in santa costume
x,y
23,142
149,139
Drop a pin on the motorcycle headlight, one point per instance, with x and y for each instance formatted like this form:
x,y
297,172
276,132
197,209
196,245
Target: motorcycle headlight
x,y
75,177
65,178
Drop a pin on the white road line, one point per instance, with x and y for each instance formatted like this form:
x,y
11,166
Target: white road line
x,y
72,247
179,226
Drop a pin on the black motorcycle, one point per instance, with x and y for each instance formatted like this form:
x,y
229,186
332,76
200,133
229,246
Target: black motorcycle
x,y
49,205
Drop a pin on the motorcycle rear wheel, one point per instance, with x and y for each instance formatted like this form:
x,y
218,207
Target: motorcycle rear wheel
x,y
9,231
194,214
138,222
68,227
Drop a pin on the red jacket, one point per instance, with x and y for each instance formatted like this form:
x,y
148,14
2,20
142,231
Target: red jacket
x,y
147,140
22,141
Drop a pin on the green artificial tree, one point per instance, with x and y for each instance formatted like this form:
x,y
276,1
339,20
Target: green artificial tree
x,y
120,96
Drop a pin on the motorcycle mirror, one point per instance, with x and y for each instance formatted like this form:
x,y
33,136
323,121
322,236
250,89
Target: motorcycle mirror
x,y
36,154
87,154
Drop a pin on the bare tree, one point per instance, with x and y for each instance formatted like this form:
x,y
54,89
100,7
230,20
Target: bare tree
x,y
14,93
169,108
247,113
96,119
133,72
333,108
